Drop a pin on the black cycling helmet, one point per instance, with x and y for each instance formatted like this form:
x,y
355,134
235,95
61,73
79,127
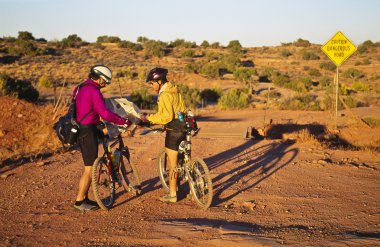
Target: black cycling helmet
x,y
157,74
101,71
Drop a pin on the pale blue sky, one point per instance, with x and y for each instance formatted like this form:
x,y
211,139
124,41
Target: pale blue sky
x,y
252,22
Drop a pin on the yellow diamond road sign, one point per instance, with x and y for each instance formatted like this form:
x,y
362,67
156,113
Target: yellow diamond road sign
x,y
338,48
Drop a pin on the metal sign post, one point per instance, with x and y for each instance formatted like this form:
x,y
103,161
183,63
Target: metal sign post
x,y
338,49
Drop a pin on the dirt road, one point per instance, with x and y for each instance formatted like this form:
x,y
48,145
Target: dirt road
x,y
266,192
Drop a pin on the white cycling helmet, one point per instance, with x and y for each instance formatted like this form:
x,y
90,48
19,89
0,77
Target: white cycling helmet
x,y
101,71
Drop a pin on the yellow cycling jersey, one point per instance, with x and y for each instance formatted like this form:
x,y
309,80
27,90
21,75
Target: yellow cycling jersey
x,y
169,102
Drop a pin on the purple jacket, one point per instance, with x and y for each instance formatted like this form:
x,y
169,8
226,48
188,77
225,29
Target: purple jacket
x,y
90,98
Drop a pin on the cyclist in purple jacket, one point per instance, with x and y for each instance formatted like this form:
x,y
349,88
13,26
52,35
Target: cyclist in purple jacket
x,y
90,107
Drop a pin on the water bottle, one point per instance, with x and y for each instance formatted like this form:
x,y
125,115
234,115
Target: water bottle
x,y
180,116
73,135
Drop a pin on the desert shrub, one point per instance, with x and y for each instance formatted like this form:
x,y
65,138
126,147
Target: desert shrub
x,y
269,72
211,94
325,81
126,73
301,102
301,43
130,45
234,46
24,48
210,70
244,74
234,99
188,53
328,66
154,48
215,45
365,46
21,89
309,55
351,102
281,80
142,98
24,35
285,53
182,43
353,74
314,72
46,81
359,86
205,44
142,39
193,67
372,122
191,96
366,61
72,41
230,62
108,39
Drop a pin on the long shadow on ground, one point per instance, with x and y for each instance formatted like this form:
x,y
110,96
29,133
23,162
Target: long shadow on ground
x,y
248,166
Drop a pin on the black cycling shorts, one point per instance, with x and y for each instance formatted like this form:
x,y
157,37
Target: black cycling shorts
x,y
173,139
88,143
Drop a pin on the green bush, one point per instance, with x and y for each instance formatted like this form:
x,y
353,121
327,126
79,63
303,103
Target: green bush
x,y
46,81
211,95
188,53
142,98
17,88
353,74
301,102
215,45
325,81
365,46
24,35
301,43
244,74
285,53
193,67
281,80
205,44
210,70
182,43
314,72
351,102
234,46
24,48
108,39
234,99
309,55
359,86
154,48
191,96
230,62
72,41
328,66
130,45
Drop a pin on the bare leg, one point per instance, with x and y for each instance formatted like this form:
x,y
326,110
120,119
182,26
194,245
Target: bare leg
x,y
84,183
172,164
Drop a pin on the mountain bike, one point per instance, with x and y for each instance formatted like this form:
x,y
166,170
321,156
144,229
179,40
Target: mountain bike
x,y
192,170
113,170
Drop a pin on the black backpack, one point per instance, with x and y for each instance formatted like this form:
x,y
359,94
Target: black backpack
x,y
67,128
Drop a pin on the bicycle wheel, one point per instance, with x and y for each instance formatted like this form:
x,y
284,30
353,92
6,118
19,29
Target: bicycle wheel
x,y
200,182
131,179
163,170
102,185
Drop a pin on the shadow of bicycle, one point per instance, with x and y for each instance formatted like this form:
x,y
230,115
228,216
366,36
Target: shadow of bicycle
x,y
247,165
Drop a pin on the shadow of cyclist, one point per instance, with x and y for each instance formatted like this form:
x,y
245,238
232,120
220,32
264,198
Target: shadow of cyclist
x,y
255,165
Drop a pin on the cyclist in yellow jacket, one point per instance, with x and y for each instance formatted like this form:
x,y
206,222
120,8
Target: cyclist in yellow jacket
x,y
170,104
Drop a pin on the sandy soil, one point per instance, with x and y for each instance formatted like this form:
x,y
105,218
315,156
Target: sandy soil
x,y
266,193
